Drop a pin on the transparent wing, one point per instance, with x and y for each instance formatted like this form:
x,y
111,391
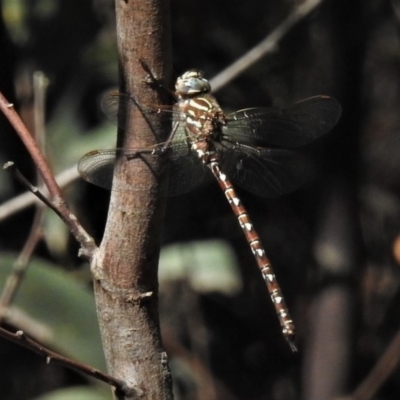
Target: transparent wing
x,y
110,104
264,172
242,146
185,170
292,127
97,167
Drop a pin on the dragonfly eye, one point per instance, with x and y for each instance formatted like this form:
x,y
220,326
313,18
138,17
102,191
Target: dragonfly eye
x,y
192,83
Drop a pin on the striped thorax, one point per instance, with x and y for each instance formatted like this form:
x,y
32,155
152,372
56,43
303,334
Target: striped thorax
x,y
204,118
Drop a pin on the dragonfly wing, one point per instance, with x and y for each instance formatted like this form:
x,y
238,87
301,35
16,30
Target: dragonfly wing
x,y
97,167
185,169
264,172
114,103
292,127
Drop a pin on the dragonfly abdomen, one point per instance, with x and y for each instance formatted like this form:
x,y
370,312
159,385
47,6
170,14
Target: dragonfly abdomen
x,y
288,328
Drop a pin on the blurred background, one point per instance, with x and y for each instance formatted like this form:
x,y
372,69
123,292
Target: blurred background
x,y
334,243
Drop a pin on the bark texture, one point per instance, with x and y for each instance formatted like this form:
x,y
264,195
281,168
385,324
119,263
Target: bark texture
x,y
125,267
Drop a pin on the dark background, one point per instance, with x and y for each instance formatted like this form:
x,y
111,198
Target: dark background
x,y
230,344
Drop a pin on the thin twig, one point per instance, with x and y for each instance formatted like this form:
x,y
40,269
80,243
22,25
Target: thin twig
x,y
268,45
27,199
40,83
337,254
8,110
62,210
58,206
380,373
15,278
20,266
88,245
10,167
20,338
207,383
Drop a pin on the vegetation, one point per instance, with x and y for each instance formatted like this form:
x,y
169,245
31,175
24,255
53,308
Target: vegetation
x,y
334,243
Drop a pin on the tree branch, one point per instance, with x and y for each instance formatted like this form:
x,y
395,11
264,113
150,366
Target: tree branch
x,y
20,338
27,199
267,45
125,268
56,198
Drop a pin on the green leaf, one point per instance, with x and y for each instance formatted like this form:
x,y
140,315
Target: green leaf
x,y
207,265
65,128
64,306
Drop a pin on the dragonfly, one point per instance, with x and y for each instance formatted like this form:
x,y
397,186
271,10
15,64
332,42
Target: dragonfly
x,y
253,148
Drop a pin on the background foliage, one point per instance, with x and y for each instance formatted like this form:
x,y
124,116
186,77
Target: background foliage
x,y
220,332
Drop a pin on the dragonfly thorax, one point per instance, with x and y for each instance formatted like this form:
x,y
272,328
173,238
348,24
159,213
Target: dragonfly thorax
x,y
191,84
204,118
204,121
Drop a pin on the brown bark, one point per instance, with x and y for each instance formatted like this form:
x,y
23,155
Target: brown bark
x,y
125,268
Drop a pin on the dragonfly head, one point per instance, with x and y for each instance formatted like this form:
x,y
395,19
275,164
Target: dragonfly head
x,y
191,84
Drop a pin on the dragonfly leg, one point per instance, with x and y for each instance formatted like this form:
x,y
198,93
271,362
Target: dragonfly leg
x,y
152,80
164,148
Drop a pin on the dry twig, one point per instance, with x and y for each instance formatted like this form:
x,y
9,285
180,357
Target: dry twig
x,y
20,338
268,45
56,198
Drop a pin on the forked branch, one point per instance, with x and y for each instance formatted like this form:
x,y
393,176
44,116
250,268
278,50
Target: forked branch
x,y
20,338
56,200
